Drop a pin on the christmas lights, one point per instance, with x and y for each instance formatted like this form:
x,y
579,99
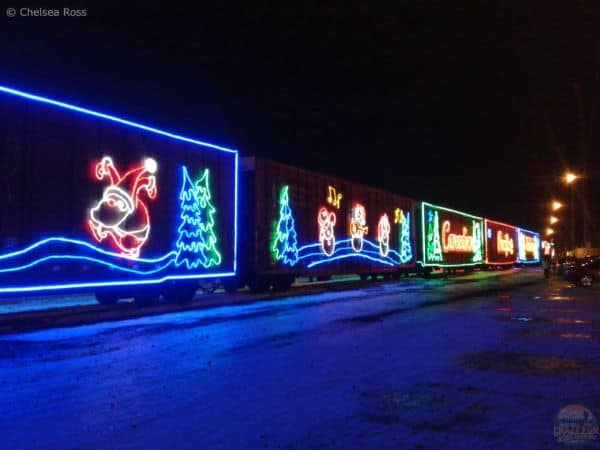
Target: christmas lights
x,y
358,227
444,246
326,221
397,215
383,235
528,246
501,243
477,241
197,241
350,255
121,214
334,198
405,247
460,243
505,244
285,242
434,249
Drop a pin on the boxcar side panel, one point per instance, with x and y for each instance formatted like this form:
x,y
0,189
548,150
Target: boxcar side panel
x,y
90,200
528,245
500,243
450,238
315,225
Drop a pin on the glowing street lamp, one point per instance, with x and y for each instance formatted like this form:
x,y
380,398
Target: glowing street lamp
x,y
553,220
549,231
570,177
556,205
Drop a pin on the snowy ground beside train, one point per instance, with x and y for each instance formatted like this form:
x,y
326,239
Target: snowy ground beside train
x,y
334,370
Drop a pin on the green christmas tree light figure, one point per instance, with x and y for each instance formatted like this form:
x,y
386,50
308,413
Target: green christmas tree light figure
x,y
196,243
434,247
477,256
208,236
188,241
405,248
285,242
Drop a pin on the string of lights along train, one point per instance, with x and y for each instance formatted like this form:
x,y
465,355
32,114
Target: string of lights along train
x,y
139,205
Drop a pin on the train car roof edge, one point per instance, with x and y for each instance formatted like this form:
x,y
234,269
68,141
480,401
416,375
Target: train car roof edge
x,y
109,117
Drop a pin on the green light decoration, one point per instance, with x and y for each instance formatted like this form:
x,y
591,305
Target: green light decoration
x,y
210,238
197,241
405,248
477,242
285,240
434,246
522,254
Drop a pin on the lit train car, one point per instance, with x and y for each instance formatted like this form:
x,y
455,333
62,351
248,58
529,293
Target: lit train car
x,y
449,239
501,244
90,201
300,223
529,246
94,202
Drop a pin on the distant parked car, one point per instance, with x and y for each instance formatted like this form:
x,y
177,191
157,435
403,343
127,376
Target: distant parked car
x,y
584,273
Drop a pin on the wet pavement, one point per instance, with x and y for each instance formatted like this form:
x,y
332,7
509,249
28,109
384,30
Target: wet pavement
x,y
329,370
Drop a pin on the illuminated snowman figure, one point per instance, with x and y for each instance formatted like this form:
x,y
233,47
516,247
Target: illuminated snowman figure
x,y
326,221
121,215
358,226
383,235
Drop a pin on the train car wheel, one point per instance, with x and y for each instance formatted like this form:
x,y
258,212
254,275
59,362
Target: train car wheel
x,y
283,283
147,297
181,293
259,284
231,285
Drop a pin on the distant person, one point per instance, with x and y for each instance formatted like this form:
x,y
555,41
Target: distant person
x,y
546,266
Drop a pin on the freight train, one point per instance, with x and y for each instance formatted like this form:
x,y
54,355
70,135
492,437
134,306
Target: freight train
x,y
94,202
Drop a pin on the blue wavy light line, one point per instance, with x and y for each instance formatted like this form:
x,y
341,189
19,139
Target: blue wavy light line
x,y
54,287
340,248
85,258
343,241
391,250
350,255
85,244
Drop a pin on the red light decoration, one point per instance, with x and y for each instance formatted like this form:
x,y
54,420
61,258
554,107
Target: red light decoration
x,y
121,214
456,243
326,220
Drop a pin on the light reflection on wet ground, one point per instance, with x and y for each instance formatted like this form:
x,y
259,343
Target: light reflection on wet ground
x,y
576,335
331,372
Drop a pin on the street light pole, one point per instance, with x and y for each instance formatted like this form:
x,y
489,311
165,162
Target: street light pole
x,y
570,179
572,217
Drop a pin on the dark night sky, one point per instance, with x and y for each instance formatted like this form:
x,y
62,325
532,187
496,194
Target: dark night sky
x,y
468,104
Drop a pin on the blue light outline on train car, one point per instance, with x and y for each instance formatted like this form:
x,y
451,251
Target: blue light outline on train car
x,y
535,234
78,242
122,121
112,118
426,264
